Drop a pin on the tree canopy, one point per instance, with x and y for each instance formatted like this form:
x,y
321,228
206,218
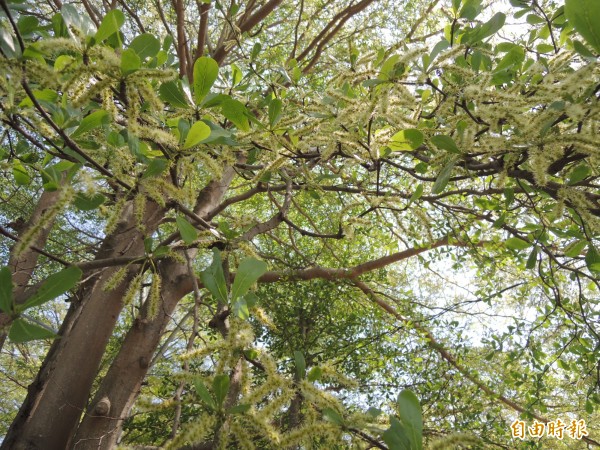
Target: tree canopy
x,y
313,224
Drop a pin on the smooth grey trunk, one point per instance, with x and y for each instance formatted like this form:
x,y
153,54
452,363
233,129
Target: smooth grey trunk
x,y
48,418
123,380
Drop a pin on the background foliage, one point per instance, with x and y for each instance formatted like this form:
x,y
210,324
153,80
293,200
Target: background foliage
x,y
314,224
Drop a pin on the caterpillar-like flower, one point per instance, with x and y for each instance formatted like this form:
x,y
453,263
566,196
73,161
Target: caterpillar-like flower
x,y
139,208
115,215
27,239
133,289
194,433
242,436
154,297
115,279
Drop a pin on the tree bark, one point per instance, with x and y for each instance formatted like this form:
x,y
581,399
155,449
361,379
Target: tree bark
x,y
122,382
22,266
50,413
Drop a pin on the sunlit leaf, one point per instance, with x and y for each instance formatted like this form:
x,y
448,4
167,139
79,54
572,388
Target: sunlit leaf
x,y
516,243
197,133
249,270
406,140
112,22
206,71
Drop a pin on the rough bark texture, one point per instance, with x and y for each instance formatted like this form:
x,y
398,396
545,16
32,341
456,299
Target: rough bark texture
x,y
48,417
122,382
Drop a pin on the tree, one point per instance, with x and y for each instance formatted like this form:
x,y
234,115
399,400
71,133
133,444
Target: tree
x,y
171,156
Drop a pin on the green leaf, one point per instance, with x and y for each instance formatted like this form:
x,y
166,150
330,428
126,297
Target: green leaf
x,y
438,48
183,127
112,22
206,71
534,19
239,409
20,173
443,177
575,248
589,408
396,436
584,15
255,50
514,57
387,68
213,278
27,24
406,140
374,412
486,30
532,258
417,194
582,49
333,416
240,309
236,74
55,285
300,365
470,9
274,111
411,417
251,299
220,388
91,121
515,243
86,202
579,173
203,393
155,167
188,233
145,45
314,374
236,112
7,43
198,132
171,92
249,270
130,61
445,143
6,287
592,259
23,331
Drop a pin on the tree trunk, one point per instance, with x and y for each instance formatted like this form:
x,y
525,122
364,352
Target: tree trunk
x,y
49,416
120,387
22,266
